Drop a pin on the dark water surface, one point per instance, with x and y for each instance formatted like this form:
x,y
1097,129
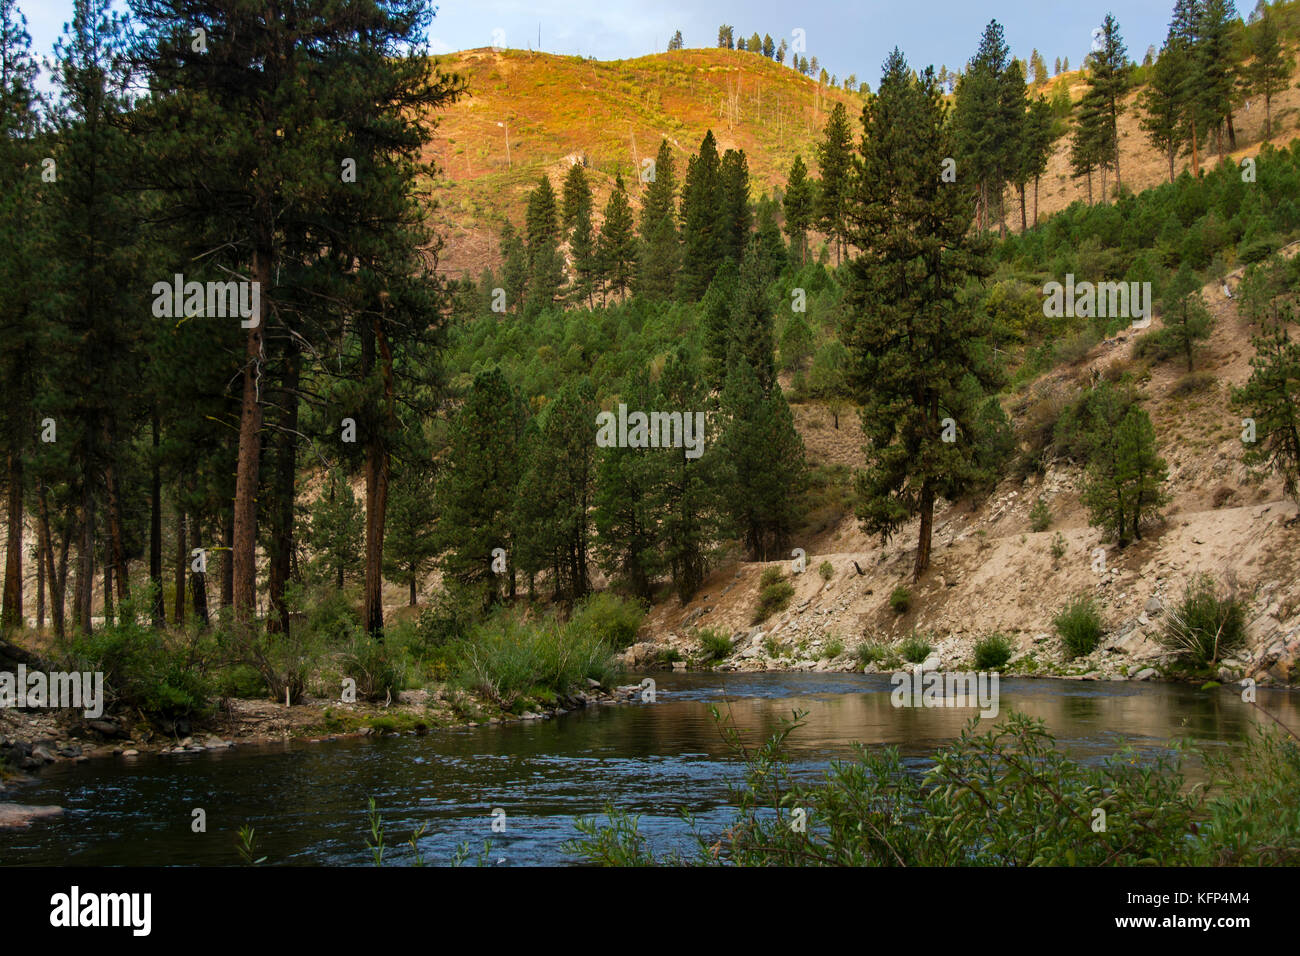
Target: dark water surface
x,y
308,801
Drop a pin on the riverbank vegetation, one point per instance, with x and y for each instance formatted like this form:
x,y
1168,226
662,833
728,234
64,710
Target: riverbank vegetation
x,y
1004,797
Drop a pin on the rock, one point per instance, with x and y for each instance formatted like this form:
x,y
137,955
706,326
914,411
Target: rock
x,y
931,663
41,752
1146,673
70,751
136,753
593,683
1153,605
17,815
105,727
679,665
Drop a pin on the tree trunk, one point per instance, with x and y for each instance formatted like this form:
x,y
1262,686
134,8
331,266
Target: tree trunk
x,y
182,555
1024,219
286,446
1232,132
927,529
199,579
82,606
47,549
1268,117
1172,151
244,556
1196,155
159,610
377,473
11,616
1036,202
108,583
227,566
412,601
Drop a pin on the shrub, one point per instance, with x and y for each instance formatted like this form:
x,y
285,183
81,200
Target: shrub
x,y
1203,627
833,649
874,654
379,669
610,617
774,594
900,599
915,649
1079,625
993,652
1059,546
1040,517
715,644
826,570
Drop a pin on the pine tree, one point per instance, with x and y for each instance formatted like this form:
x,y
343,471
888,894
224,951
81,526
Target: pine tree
x,y
410,546
799,205
582,239
1091,146
726,37
702,220
515,270
1038,70
989,115
737,217
835,159
1036,146
780,50
676,42
916,339
764,463
627,526
1187,319
1216,68
542,237
337,530
1269,69
1109,81
769,48
1271,397
755,43
478,483
1162,102
616,245
659,255
19,325
1123,481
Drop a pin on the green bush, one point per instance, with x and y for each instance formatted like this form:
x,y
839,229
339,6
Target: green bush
x,y
826,570
1040,516
900,599
992,652
774,594
833,649
614,619
1059,546
871,653
379,669
1204,628
715,644
915,649
1079,625
164,676
876,810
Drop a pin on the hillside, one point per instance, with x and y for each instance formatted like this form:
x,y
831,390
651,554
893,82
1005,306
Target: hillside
x,y
992,573
558,109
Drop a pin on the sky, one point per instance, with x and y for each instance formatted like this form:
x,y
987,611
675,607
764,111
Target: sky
x,y
846,37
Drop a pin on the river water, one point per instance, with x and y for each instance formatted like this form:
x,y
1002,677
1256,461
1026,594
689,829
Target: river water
x,y
307,802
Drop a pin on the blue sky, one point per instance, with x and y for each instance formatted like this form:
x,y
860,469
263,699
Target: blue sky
x,y
847,37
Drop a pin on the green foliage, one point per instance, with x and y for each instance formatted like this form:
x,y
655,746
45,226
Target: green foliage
x,y
915,649
873,653
610,618
1040,516
1059,546
1204,628
1079,625
833,649
826,570
1271,397
1007,797
992,652
900,599
378,668
774,594
715,645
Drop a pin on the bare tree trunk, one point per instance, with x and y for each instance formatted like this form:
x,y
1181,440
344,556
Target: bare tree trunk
x,y
250,442
108,583
159,609
11,616
82,606
927,530
182,556
286,444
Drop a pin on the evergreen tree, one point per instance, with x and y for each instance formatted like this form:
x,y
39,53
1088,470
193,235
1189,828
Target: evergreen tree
x,y
1037,142
799,205
478,483
1091,146
337,531
755,43
769,48
542,233
702,220
582,239
780,50
1271,397
659,254
1123,484
1216,68
1109,81
835,158
737,218
19,324
627,525
989,114
916,339
616,245
1269,68
676,42
764,463
828,379
410,545
1037,69
1162,102
726,37
1187,319
515,269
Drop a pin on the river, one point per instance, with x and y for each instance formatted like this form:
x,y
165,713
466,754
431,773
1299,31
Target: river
x,y
307,801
